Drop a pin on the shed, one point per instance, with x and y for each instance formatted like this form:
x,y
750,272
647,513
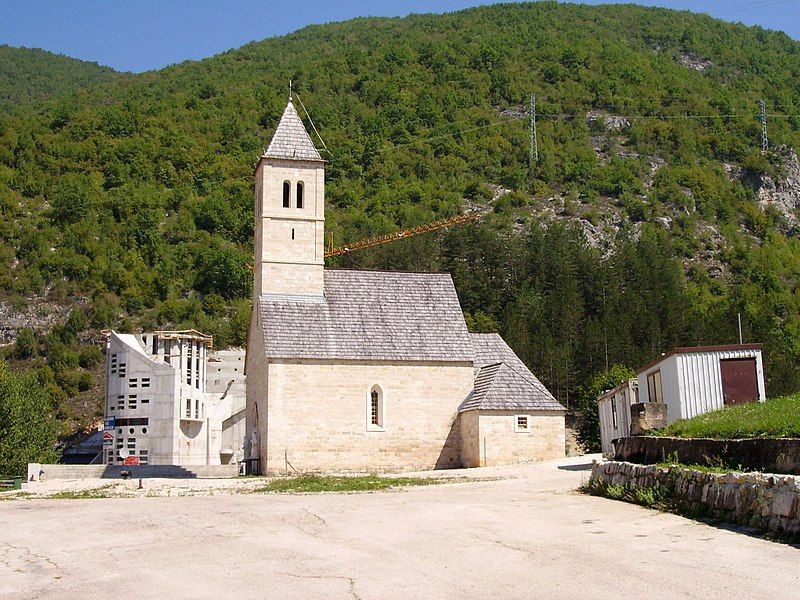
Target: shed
x,y
695,380
614,407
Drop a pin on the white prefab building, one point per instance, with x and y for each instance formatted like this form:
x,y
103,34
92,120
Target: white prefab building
x,y
170,402
615,413
692,381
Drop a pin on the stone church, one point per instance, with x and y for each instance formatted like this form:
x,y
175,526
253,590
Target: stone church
x,y
370,370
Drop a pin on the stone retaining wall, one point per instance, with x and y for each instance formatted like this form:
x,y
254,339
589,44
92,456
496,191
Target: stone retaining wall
x,y
58,471
756,454
767,502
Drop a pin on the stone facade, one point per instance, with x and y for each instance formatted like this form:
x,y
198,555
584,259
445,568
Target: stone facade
x,y
493,438
765,501
289,241
318,416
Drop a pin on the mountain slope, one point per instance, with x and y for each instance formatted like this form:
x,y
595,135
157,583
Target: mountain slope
x,y
135,196
30,75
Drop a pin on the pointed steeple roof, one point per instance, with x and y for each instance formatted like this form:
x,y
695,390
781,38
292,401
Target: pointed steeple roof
x,y
291,140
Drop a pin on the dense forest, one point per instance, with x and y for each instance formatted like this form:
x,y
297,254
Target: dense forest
x,y
28,76
130,200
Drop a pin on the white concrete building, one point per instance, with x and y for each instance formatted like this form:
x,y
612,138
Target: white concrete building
x,y
166,406
695,380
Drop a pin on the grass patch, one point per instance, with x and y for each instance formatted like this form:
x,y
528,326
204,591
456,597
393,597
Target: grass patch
x,y
101,492
16,496
775,418
326,483
703,468
652,497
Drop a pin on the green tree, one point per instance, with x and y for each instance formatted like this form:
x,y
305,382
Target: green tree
x,y
28,430
26,344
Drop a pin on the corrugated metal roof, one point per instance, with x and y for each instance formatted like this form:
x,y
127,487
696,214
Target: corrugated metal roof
x,y
370,315
697,350
291,140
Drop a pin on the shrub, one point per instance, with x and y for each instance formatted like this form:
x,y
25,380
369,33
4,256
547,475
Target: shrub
x,y
26,344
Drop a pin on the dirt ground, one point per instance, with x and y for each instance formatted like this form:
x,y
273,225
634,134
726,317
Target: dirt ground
x,y
524,534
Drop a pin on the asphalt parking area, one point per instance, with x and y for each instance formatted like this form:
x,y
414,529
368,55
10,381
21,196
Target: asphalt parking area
x,y
525,534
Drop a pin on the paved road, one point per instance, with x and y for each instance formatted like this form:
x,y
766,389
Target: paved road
x,y
528,536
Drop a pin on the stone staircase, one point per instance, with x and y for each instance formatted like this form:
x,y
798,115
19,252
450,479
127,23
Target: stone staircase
x,y
55,471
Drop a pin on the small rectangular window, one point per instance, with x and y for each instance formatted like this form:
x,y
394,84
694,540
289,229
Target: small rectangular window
x,y
145,400
613,413
122,370
145,382
133,382
522,423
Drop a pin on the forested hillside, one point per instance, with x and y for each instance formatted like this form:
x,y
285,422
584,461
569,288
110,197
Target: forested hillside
x,y
642,226
28,76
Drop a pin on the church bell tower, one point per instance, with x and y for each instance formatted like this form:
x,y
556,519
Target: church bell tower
x,y
290,213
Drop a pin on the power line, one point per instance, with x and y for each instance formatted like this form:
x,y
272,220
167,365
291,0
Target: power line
x,y
564,116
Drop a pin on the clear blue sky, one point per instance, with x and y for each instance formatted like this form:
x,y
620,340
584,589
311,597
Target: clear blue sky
x,y
141,35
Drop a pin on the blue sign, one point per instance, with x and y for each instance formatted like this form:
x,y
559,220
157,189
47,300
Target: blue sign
x,y
109,423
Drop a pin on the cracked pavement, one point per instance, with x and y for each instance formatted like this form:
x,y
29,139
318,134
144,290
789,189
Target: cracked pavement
x,y
524,534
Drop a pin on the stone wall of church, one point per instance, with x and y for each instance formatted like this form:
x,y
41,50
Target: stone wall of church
x,y
498,442
289,244
256,369
319,415
470,438
293,279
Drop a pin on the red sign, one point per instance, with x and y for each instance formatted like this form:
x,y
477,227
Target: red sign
x,y
107,435
131,461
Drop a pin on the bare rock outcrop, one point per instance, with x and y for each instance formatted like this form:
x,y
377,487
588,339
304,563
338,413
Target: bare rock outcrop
x,y
784,194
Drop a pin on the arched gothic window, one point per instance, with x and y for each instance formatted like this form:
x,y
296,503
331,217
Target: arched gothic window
x,y
300,194
287,189
376,406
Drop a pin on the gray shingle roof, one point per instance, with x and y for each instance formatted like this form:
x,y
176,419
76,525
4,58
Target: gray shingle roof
x,y
370,315
291,140
502,380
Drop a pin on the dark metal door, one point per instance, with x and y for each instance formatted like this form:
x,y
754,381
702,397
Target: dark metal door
x,y
739,383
